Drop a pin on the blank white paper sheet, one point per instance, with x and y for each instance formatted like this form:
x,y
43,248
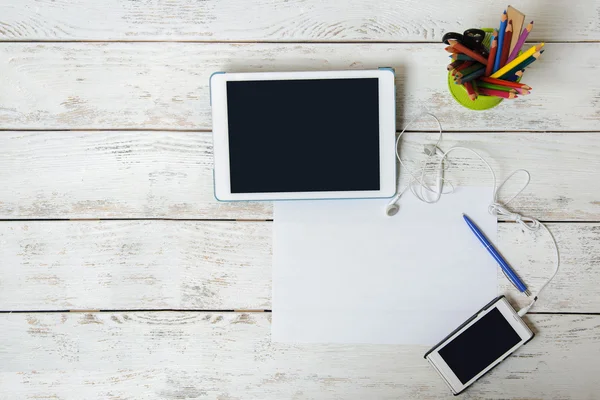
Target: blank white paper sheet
x,y
344,272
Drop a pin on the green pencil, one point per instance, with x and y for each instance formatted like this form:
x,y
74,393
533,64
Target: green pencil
x,y
469,70
461,57
500,87
470,77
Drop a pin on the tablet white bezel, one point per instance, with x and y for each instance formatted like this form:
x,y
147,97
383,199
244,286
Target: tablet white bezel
x,y
387,131
511,317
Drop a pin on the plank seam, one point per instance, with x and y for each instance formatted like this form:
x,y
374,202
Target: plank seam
x,y
33,130
225,311
337,42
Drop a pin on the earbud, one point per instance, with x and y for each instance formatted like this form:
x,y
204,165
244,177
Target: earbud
x,y
432,149
393,208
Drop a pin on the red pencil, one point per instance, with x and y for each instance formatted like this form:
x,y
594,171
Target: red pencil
x,y
465,64
504,83
454,65
498,93
470,90
492,55
506,45
466,51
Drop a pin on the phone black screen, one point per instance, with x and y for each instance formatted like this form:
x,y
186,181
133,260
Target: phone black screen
x,y
479,346
309,135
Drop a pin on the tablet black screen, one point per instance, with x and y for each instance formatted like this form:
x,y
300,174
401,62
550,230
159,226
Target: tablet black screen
x,y
303,135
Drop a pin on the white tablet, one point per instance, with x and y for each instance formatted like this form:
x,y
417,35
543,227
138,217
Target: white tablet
x,y
304,135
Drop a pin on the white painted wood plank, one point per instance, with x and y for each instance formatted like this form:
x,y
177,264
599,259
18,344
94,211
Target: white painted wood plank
x,y
575,287
113,175
93,265
110,265
230,356
256,20
169,174
165,85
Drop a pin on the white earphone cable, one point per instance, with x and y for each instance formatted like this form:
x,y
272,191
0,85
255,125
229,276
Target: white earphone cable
x,y
419,187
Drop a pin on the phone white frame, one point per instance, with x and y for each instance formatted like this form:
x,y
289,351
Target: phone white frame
x,y
513,319
387,132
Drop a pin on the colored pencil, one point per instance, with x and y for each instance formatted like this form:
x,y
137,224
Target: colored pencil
x,y
523,64
506,45
515,52
462,57
498,93
517,61
471,91
492,86
515,77
467,71
450,49
500,87
470,77
455,64
504,83
463,66
465,50
492,55
501,32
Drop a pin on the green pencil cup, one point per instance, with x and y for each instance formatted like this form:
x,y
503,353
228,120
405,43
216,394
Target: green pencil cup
x,y
460,93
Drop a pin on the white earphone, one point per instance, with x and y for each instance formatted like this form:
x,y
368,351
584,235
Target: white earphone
x,y
431,193
431,150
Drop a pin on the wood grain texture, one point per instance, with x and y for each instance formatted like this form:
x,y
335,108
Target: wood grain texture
x,y
169,174
93,265
165,85
110,265
575,288
230,356
113,175
298,20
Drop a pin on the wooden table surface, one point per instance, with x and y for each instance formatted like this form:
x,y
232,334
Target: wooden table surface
x,y
120,275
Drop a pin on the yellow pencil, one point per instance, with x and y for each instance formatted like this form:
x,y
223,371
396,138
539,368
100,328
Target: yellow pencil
x,y
517,61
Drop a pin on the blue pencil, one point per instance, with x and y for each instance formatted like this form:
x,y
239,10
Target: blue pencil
x,y
503,22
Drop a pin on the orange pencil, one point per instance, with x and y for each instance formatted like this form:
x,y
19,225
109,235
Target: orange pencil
x,y
504,83
506,45
492,55
466,51
450,49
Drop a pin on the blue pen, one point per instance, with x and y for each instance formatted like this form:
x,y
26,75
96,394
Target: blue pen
x,y
510,274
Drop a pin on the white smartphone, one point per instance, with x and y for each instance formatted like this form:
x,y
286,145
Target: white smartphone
x,y
478,345
304,135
